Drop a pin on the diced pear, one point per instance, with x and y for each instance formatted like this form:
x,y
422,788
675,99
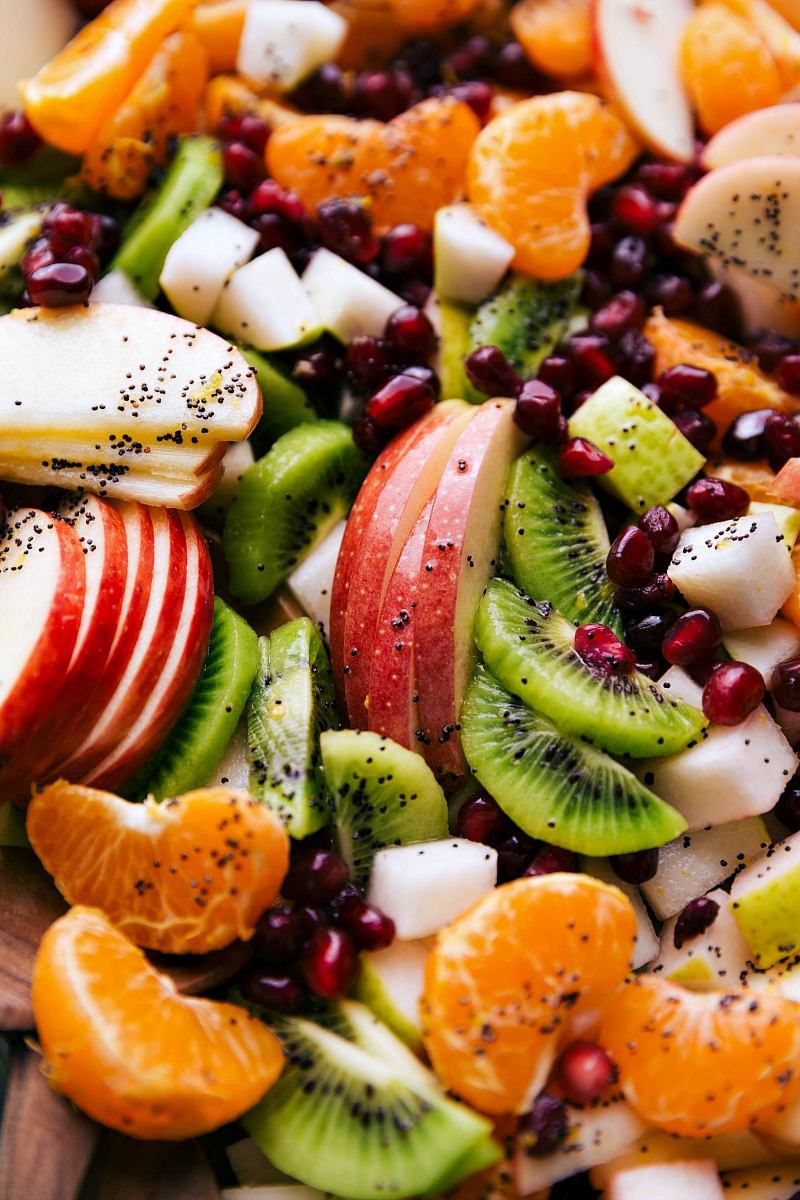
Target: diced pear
x,y
347,301
647,943
282,42
469,258
201,261
765,900
730,1151
765,646
264,304
391,983
693,1179
773,1181
716,958
117,288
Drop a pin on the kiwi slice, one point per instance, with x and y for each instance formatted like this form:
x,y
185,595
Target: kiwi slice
x,y
378,1128
556,787
286,503
382,795
290,704
556,540
528,647
285,403
526,318
198,739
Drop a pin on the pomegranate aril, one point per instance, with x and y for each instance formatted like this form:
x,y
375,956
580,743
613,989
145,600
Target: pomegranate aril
x,y
692,636
717,499
638,357
666,180
558,372
514,854
281,992
274,231
242,166
330,963
490,372
585,1072
635,209
601,649
369,437
734,691
369,928
105,236
232,201
694,920
254,132
38,255
477,94
787,374
474,56
345,227
787,810
400,402
769,347
659,589
718,308
410,334
538,411
481,819
786,684
631,557
59,285
549,859
382,95
702,670
315,876
67,228
637,866
369,361
579,459
544,1128
672,293
594,358
653,668
18,139
325,90
646,635
407,250
320,369
281,934
426,375
693,387
623,312
745,439
603,241
595,290
781,438
268,196
697,428
513,70
631,262
82,256
661,528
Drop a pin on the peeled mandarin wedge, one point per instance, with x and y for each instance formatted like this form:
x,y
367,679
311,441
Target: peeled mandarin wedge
x,y
556,35
124,1046
430,16
407,168
700,1063
533,168
525,970
75,92
185,875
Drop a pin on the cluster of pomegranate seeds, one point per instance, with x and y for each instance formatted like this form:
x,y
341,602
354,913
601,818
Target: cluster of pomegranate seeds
x,y
19,141
601,649
732,692
393,369
585,1071
637,866
694,920
636,563
480,819
62,265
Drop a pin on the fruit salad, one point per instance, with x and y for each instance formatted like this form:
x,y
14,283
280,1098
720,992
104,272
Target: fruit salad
x,y
399,566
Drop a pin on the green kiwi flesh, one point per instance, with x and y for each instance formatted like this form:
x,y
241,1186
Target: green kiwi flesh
x,y
376,1126
525,318
556,787
287,502
528,647
382,795
285,402
291,703
198,739
556,540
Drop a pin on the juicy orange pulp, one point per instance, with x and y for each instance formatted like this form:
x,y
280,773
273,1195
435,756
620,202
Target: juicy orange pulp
x,y
523,972
187,875
532,169
219,27
556,35
699,1063
123,1045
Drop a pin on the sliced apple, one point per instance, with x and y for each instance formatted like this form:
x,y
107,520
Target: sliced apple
x,y
183,461
747,216
156,490
774,130
636,58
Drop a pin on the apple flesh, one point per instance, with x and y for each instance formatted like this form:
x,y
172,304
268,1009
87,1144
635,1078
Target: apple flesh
x,y
774,130
696,1179
765,900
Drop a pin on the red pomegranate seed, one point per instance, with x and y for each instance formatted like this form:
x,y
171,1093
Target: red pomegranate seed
x,y
601,649
513,70
631,558
693,387
490,372
549,859
692,636
635,209
661,528
82,256
734,691
369,361
782,439
645,635
702,670
474,56
400,402
369,437
638,357
477,94
59,285
275,231
321,369
602,243
769,347
579,458
697,428
327,89
382,95
667,180
538,411
745,439
717,499
426,375
544,1128
716,307
369,928
631,262
787,810
283,993
242,166
38,255
253,132
637,866
786,684
407,250
67,228
268,196
345,227
18,139
694,920
315,876
659,589
558,372
481,819
410,333
232,201
596,290
594,357
787,374
330,963
585,1071
673,293
623,311
281,934
514,854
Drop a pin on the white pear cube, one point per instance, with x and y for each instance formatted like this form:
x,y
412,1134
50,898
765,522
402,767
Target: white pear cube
x,y
696,1179
347,301
283,41
117,288
716,958
764,647
730,1151
426,885
695,863
469,258
391,984
311,581
265,304
773,1181
739,569
647,944
765,900
202,259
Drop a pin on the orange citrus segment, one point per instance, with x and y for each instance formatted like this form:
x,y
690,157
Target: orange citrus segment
x,y
407,168
372,37
219,27
556,35
532,169
511,981
781,39
227,95
186,875
162,103
429,16
123,1045
699,1063
727,67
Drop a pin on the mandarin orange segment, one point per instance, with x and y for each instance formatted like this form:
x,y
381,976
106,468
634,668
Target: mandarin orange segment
x,y
556,35
524,971
219,27
129,1050
699,1063
726,65
430,16
186,875
75,92
407,168
532,169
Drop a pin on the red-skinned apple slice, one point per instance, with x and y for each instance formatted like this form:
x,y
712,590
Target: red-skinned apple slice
x,y
179,673
636,45
408,480
746,215
460,550
774,130
42,588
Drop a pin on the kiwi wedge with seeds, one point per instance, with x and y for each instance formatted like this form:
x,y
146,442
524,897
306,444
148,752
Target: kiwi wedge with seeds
x,y
556,540
556,787
525,318
529,649
287,502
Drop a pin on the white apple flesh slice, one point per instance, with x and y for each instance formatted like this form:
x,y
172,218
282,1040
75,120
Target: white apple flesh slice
x,y
280,43
42,589
156,490
202,259
746,215
636,57
696,1179
183,461
774,130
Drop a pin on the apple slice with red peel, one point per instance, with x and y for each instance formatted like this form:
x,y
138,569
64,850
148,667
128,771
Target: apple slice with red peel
x,y
746,215
636,45
42,589
179,674
774,130
461,546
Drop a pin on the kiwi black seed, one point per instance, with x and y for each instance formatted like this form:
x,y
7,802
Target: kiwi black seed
x,y
526,318
556,540
291,703
556,787
197,741
529,649
287,502
382,795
